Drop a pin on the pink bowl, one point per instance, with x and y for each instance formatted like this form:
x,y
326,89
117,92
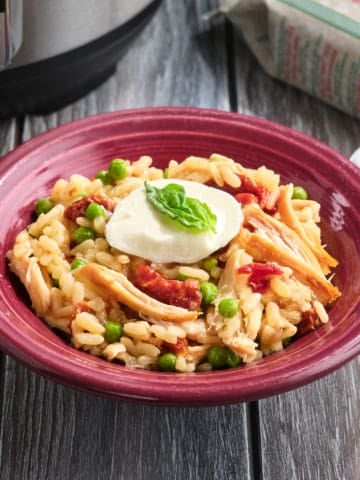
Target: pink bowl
x,y
88,145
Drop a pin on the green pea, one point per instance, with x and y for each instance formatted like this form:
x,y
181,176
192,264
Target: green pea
x,y
228,307
209,292
43,205
166,173
233,360
117,170
286,341
167,362
299,193
217,357
94,210
104,176
113,331
78,262
209,263
81,234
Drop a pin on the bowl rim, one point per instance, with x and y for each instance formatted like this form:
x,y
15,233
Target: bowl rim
x,y
162,388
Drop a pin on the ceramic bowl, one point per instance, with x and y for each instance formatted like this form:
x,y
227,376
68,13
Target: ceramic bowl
x,y
88,145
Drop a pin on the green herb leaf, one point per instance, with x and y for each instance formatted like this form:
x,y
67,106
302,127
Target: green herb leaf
x,y
172,201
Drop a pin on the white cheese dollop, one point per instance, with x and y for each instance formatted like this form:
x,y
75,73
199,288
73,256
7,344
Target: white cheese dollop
x,y
137,228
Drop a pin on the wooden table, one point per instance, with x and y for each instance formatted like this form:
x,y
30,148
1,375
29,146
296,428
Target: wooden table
x,y
52,432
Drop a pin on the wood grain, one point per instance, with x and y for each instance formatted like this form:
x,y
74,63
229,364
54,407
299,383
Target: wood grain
x,y
316,428
8,131
314,432
51,432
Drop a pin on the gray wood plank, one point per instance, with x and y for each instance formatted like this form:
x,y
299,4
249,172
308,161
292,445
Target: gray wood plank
x,y
48,431
317,429
7,136
51,432
313,432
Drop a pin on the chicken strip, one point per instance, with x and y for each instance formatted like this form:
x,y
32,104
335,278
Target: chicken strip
x,y
115,285
35,280
269,240
233,331
289,217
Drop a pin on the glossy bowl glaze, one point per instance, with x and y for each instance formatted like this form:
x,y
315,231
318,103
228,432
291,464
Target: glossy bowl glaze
x,y
88,145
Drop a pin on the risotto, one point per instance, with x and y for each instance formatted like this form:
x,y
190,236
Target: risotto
x,y
217,280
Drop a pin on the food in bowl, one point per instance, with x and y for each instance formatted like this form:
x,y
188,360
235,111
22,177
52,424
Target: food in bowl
x,y
204,265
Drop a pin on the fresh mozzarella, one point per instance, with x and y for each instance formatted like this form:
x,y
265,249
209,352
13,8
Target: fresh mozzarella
x,y
137,228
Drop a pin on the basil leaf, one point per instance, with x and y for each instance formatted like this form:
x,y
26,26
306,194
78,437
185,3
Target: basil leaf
x,y
172,201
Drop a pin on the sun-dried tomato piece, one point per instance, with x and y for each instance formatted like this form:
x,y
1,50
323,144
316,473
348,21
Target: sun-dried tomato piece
x,y
246,198
185,294
248,192
250,186
179,347
259,274
309,321
78,208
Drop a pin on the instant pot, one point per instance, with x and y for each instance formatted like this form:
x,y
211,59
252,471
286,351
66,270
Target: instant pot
x,y
53,52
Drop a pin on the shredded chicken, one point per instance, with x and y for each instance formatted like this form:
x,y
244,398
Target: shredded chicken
x,y
116,285
270,240
289,217
36,282
232,331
